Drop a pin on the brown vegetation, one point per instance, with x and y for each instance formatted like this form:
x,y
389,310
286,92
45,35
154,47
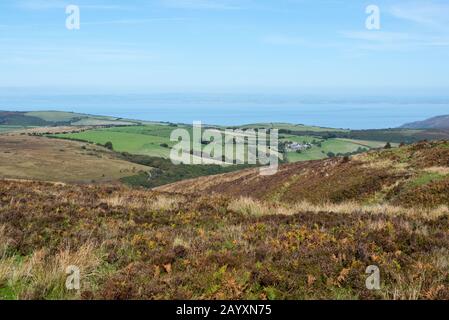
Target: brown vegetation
x,y
38,158
416,175
310,231
136,244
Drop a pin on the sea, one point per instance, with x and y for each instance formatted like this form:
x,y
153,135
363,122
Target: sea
x,y
336,111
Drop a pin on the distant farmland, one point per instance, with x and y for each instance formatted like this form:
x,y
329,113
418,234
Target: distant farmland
x,y
143,140
154,140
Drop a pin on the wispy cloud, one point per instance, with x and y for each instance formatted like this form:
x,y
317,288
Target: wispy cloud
x,y
376,36
393,41
31,55
132,21
429,13
36,5
203,4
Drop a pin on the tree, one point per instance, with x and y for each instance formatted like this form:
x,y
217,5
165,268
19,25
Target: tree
x,y
388,145
109,145
331,155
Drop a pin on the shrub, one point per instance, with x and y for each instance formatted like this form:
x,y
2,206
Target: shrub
x,y
109,145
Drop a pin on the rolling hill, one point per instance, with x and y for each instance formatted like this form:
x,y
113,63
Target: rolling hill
x,y
440,122
409,175
59,118
309,232
39,158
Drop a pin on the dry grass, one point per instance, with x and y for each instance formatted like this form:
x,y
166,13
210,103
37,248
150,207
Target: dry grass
x,y
44,159
250,207
165,203
146,201
253,207
44,275
163,246
4,242
383,164
376,209
439,170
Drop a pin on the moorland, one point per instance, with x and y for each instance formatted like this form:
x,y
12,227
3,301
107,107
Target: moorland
x,y
105,198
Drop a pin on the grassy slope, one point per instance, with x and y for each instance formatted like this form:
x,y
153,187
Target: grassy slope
x,y
124,141
40,158
375,177
55,116
143,140
46,118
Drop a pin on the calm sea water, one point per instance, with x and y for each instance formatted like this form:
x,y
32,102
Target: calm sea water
x,y
339,112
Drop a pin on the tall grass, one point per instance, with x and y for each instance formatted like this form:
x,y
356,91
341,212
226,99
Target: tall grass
x,y
253,207
43,275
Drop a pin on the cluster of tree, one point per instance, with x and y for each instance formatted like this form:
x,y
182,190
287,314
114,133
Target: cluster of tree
x,y
166,172
346,154
405,136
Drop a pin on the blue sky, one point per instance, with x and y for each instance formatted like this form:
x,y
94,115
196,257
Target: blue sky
x,y
225,44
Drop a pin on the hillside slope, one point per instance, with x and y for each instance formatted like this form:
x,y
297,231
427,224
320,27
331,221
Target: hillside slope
x,y
309,232
440,122
136,244
58,118
39,158
411,175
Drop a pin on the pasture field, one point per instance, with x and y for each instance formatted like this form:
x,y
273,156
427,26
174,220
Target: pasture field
x,y
142,140
149,140
336,146
154,140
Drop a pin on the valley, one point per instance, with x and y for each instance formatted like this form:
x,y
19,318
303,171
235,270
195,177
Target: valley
x,y
106,199
308,232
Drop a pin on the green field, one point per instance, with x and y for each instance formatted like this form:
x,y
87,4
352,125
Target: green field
x,y
140,140
143,140
147,140
336,146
